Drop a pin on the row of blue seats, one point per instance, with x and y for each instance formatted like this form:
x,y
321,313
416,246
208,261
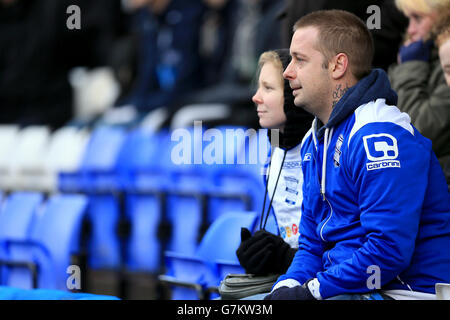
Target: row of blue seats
x,y
39,237
130,176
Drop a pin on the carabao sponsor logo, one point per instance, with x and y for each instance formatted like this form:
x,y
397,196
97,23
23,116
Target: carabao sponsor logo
x,y
382,151
383,164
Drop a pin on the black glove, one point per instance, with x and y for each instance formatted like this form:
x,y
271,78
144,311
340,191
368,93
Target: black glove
x,y
294,293
264,253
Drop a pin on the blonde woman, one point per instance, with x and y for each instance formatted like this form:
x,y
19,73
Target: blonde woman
x,y
264,252
418,78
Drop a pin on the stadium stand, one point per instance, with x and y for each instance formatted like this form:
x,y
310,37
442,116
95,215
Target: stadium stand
x,y
137,208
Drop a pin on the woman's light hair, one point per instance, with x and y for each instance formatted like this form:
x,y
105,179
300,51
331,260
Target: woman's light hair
x,y
272,57
421,6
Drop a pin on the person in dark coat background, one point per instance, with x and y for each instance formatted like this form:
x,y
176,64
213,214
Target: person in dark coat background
x,y
37,50
232,83
168,57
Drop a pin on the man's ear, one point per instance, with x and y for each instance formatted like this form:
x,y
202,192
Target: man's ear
x,y
339,66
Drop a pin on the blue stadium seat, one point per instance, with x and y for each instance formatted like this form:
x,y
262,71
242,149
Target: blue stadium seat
x,y
101,159
140,160
191,275
13,293
97,164
144,181
185,216
188,183
90,296
17,213
144,246
225,267
239,182
98,178
104,243
16,219
226,144
8,293
54,237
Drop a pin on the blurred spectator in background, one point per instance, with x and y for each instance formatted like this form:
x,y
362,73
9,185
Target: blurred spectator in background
x,y
387,38
418,78
168,59
216,36
442,36
226,99
37,50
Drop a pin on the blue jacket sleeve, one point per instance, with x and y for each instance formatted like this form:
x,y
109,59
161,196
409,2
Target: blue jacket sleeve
x,y
388,167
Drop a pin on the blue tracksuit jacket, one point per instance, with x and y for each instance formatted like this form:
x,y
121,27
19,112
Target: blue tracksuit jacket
x,y
381,202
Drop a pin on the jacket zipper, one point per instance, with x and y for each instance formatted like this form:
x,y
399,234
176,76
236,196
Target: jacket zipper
x,y
323,195
324,198
328,219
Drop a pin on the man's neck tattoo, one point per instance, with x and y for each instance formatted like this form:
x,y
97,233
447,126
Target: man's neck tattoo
x,y
338,93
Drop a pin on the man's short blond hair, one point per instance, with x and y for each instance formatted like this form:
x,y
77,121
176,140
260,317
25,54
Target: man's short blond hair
x,y
342,32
